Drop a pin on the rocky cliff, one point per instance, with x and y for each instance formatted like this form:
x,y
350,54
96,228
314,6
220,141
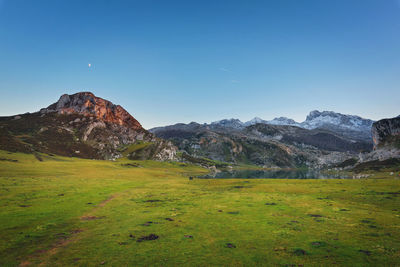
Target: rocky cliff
x,y
386,139
86,126
386,132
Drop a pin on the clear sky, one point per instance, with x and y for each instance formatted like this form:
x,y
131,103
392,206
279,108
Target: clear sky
x,y
204,60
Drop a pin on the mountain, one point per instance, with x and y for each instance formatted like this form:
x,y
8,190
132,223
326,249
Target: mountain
x,y
262,144
87,104
82,125
349,126
317,119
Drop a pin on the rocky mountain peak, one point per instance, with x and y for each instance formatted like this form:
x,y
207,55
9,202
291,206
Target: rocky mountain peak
x,y
316,114
283,121
87,104
229,123
318,119
313,114
256,120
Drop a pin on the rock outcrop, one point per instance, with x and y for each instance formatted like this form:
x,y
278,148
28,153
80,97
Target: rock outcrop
x,y
386,132
386,139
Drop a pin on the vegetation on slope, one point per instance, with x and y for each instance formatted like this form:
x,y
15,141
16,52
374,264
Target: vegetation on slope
x,y
79,136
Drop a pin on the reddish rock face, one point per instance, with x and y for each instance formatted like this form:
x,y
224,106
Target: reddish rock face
x,y
88,104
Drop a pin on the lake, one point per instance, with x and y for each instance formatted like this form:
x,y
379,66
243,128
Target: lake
x,y
275,174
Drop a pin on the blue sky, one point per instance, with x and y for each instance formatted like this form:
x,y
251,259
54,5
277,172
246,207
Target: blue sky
x,y
182,61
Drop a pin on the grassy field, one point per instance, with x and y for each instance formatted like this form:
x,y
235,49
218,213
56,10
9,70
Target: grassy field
x,y
68,211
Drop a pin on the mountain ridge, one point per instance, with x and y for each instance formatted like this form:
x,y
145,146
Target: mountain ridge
x,y
314,114
350,126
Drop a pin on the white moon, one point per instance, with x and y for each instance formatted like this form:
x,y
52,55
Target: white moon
x,y
89,65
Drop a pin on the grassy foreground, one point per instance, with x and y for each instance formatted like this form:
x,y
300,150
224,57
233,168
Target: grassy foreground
x,y
68,211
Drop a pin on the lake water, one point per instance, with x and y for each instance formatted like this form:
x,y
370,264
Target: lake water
x,y
274,174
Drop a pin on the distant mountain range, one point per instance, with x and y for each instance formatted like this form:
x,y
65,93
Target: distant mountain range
x,y
347,125
323,139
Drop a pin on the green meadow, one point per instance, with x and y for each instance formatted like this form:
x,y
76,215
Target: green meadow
x,y
74,212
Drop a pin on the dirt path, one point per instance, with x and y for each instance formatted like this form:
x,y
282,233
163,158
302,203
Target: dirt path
x,y
62,242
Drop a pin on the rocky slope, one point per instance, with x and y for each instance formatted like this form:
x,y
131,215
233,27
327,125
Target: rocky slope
x,y
82,125
262,144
